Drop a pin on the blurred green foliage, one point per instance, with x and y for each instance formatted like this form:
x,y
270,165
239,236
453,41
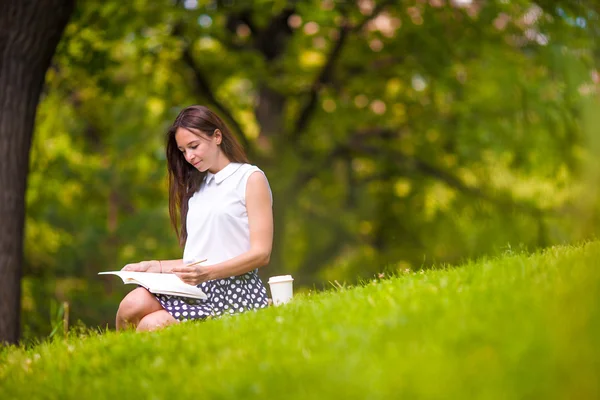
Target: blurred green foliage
x,y
394,136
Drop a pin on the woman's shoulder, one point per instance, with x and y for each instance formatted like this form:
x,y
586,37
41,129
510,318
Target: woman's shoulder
x,y
246,169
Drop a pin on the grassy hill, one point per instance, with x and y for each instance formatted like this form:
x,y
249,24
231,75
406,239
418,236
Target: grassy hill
x,y
520,326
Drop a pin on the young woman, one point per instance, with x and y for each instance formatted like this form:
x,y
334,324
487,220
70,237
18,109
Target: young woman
x,y
221,209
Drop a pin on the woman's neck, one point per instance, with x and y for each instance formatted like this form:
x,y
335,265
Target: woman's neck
x,y
221,162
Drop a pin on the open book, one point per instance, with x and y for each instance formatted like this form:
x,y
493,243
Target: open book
x,y
159,283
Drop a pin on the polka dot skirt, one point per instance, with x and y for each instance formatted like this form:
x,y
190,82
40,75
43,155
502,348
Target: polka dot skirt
x,y
225,296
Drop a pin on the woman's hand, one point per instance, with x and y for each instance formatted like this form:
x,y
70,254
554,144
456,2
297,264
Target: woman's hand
x,y
193,274
143,266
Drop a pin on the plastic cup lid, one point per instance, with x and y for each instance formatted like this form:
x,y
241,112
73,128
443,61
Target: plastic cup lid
x,y
280,278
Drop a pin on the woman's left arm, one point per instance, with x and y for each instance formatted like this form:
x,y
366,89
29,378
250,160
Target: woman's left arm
x,y
260,222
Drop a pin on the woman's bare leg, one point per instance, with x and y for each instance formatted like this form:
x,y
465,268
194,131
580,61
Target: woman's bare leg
x,y
156,320
136,305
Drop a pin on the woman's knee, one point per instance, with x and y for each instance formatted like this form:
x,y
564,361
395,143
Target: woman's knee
x,y
137,304
156,320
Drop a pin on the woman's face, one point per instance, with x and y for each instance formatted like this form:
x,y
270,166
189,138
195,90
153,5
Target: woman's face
x,y
197,148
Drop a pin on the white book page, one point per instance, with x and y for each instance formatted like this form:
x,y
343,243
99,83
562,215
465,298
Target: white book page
x,y
159,283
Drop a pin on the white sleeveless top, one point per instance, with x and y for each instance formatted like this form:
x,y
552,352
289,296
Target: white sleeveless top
x,y
217,219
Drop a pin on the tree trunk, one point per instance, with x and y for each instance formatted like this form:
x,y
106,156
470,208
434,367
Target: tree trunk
x,y
29,33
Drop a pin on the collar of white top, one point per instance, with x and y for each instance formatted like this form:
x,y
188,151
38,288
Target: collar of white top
x,y
222,174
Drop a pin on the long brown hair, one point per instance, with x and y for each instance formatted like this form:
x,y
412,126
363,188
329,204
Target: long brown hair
x,y
184,179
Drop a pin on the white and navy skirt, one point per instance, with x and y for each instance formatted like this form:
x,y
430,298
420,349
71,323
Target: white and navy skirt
x,y
225,296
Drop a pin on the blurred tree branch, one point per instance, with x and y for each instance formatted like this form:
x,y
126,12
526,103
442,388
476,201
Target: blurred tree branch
x,y
324,76
503,200
270,41
356,146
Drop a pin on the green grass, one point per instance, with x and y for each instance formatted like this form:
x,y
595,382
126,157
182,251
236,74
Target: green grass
x,y
520,326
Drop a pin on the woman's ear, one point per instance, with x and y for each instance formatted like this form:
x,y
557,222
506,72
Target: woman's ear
x,y
218,136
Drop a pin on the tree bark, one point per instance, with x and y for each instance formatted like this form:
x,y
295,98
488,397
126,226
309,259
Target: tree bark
x,y
29,33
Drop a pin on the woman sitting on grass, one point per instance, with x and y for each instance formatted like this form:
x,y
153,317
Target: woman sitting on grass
x,y
221,209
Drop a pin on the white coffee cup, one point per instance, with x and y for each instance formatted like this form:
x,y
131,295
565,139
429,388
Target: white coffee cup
x,y
281,288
